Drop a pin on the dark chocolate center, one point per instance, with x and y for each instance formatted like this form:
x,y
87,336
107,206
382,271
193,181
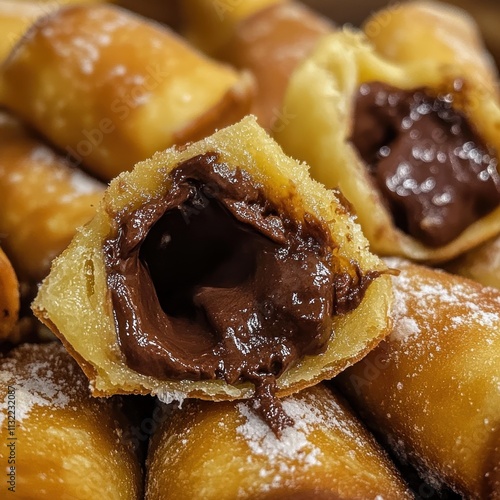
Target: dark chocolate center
x,y
435,173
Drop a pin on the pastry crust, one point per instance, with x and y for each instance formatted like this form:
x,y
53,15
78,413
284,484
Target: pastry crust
x,y
270,44
481,264
111,88
320,98
431,388
445,34
62,443
43,199
325,454
74,301
9,297
209,24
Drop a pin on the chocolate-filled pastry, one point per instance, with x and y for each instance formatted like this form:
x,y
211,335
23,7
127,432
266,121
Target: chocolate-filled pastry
x,y
9,297
219,271
431,389
209,25
110,88
327,454
58,441
270,43
444,33
43,199
482,264
414,147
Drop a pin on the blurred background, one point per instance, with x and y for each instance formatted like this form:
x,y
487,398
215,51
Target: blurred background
x,y
485,12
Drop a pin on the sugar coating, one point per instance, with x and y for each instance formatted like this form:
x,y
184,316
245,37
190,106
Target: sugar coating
x,y
43,375
293,452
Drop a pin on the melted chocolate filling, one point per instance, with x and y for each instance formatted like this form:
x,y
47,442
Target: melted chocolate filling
x,y
434,172
213,281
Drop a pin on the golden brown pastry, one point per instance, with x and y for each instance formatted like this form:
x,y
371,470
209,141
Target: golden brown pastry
x,y
58,441
412,145
481,264
43,199
419,30
210,24
223,451
431,390
111,88
215,269
271,43
15,18
9,297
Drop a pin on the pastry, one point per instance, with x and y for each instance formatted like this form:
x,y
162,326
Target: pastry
x,y
58,442
445,34
482,264
229,242
15,18
413,146
326,454
271,43
431,389
110,88
210,24
9,297
43,199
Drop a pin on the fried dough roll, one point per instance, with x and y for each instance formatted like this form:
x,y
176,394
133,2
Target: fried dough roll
x,y
213,270
58,441
445,34
209,25
111,88
414,147
482,264
432,388
15,18
326,454
9,297
271,43
43,199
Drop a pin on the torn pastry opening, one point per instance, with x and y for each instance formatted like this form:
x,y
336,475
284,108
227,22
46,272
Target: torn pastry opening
x,y
435,173
215,281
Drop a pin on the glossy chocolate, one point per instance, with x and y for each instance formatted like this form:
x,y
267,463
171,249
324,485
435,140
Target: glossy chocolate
x,y
213,281
434,172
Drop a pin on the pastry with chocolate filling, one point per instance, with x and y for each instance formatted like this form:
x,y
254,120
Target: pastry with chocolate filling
x,y
9,297
412,145
220,271
58,441
110,88
43,200
431,389
326,454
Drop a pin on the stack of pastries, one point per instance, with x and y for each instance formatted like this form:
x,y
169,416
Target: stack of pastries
x,y
248,253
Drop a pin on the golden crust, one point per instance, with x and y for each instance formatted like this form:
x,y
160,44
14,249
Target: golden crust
x,y
43,199
326,454
416,30
75,303
481,264
319,101
431,388
111,88
9,297
66,441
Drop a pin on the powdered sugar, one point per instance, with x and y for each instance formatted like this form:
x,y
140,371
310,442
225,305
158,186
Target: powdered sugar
x,y
35,372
